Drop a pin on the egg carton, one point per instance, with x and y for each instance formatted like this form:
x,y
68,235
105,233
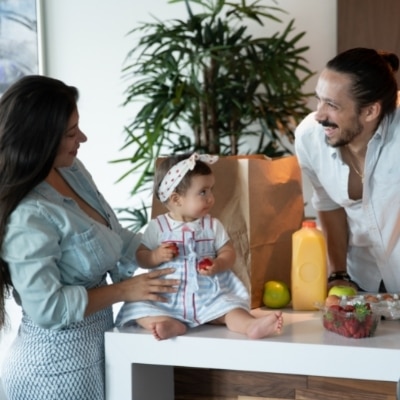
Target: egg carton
x,y
386,305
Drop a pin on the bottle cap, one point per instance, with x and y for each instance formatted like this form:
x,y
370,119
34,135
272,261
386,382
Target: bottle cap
x,y
309,224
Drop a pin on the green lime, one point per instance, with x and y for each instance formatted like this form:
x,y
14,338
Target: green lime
x,y
276,294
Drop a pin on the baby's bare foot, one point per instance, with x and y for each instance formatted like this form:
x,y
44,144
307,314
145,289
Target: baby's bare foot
x,y
265,326
167,329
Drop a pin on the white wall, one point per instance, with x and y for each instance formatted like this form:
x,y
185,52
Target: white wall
x,y
85,45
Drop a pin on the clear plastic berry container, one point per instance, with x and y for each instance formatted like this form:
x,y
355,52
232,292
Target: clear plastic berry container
x,y
355,321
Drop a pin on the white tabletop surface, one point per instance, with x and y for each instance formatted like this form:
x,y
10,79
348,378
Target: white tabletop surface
x,y
304,347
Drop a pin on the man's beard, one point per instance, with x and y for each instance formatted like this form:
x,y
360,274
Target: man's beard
x,y
347,135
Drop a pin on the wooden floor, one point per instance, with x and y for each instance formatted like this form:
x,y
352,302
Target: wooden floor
x,y
207,384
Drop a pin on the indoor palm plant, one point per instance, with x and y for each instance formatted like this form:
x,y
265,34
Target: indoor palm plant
x,y
208,85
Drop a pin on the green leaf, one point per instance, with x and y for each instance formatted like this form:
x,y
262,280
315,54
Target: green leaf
x,y
361,311
206,76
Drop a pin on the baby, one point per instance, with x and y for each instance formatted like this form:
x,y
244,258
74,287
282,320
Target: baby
x,y
198,247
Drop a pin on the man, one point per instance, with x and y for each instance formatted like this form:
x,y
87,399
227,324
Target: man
x,y
350,150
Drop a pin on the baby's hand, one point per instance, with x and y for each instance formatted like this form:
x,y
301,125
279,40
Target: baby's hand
x,y
166,251
206,266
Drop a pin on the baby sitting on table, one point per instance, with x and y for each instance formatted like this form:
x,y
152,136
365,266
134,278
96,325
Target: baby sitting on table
x,y
198,247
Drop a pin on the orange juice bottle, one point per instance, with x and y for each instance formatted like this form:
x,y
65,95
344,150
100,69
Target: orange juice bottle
x,y
309,267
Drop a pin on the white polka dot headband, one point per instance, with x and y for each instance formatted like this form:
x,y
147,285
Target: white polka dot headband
x,y
176,173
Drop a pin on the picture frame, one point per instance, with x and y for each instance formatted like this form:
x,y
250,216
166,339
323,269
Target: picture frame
x,y
21,40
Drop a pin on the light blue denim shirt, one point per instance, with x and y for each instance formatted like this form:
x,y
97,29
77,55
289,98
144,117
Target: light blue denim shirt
x,y
55,251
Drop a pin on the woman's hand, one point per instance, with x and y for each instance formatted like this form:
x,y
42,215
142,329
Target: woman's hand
x,y
149,286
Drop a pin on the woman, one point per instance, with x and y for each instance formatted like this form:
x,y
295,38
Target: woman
x,y
59,240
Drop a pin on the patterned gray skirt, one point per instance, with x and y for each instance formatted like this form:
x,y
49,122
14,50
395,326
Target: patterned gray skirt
x,y
67,364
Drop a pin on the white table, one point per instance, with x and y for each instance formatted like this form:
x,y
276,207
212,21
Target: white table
x,y
138,367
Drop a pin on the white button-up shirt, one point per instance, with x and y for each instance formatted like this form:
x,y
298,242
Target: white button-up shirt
x,y
374,220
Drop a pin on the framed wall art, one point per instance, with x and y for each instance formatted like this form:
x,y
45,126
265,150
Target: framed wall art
x,y
20,40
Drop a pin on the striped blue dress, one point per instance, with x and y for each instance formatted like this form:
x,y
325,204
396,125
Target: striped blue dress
x,y
200,299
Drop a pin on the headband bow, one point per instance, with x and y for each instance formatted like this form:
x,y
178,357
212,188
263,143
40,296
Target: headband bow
x,y
176,173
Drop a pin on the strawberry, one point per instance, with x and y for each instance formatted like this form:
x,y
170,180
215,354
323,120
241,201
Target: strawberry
x,y
174,247
204,264
348,308
354,321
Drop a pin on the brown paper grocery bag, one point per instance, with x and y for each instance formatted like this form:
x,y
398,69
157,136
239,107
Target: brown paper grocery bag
x,y
260,202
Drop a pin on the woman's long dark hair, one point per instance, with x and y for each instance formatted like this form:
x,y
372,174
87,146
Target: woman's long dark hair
x,y
34,114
